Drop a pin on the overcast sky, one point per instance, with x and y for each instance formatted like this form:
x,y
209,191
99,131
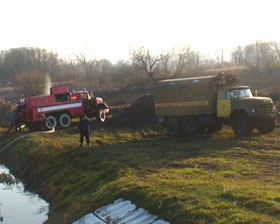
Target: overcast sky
x,y
109,28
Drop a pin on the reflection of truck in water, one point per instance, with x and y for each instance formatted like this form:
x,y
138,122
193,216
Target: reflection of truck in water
x,y
189,105
58,108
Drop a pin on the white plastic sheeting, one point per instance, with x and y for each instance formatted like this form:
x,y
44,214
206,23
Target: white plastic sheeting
x,y
89,219
120,212
115,211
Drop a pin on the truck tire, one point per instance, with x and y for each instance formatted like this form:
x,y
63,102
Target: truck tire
x,y
242,125
190,126
266,126
173,126
51,122
212,128
101,115
65,120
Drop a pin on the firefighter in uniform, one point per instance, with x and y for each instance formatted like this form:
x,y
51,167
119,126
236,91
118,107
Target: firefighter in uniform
x,y
84,127
14,120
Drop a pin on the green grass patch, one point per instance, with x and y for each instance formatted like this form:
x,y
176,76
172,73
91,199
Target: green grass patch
x,y
210,179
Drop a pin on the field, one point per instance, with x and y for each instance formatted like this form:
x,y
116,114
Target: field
x,y
215,178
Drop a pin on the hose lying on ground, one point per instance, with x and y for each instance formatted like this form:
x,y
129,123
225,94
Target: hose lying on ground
x,y
33,133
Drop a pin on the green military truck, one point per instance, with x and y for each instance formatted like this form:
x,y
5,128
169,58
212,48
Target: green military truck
x,y
190,105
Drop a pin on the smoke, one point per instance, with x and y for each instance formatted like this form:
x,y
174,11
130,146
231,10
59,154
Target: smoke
x,y
48,84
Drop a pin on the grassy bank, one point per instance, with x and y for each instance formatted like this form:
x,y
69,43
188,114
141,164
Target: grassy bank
x,y
211,179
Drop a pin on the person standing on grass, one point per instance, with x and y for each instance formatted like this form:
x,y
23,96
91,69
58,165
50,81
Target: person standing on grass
x,y
14,120
84,127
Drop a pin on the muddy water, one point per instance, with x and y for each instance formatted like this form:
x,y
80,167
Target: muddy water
x,y
20,206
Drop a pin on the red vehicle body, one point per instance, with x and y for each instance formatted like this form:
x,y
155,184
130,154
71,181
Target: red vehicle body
x,y
58,108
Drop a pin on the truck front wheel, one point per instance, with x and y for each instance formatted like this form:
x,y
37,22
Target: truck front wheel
x,y
101,116
242,125
266,126
51,122
65,120
173,126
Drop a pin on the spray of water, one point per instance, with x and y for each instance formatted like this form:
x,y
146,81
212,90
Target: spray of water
x,y
48,84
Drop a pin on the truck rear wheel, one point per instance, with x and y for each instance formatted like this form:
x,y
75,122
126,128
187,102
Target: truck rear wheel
x,y
173,126
65,120
190,126
242,125
101,116
212,128
51,122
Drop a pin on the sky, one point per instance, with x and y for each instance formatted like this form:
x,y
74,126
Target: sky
x,y
110,28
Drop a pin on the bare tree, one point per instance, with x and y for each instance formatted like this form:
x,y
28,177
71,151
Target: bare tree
x,y
104,66
177,63
237,56
252,57
186,60
71,74
276,46
143,60
268,56
93,68
30,83
220,58
19,60
87,65
166,64
260,56
172,63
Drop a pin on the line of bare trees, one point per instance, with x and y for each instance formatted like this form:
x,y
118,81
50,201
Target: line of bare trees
x,y
169,65
29,68
259,57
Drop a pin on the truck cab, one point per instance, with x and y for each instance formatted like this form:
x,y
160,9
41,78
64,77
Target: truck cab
x,y
228,96
244,111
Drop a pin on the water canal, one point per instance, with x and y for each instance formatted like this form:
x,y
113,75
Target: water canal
x,y
20,206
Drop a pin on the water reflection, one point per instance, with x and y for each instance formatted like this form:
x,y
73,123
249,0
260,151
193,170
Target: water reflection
x,y
19,206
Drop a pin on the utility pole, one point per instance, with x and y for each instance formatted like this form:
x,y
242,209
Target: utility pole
x,y
222,58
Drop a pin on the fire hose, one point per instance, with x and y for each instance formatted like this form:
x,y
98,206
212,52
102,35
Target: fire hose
x,y
22,136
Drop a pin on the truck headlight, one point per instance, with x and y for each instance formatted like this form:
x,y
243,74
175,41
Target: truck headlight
x,y
253,110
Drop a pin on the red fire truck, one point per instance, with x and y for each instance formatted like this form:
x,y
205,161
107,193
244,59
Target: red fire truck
x,y
57,109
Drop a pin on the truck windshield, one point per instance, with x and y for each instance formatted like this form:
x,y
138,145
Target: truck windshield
x,y
240,93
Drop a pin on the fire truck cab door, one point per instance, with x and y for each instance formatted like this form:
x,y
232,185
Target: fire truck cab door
x,y
223,104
